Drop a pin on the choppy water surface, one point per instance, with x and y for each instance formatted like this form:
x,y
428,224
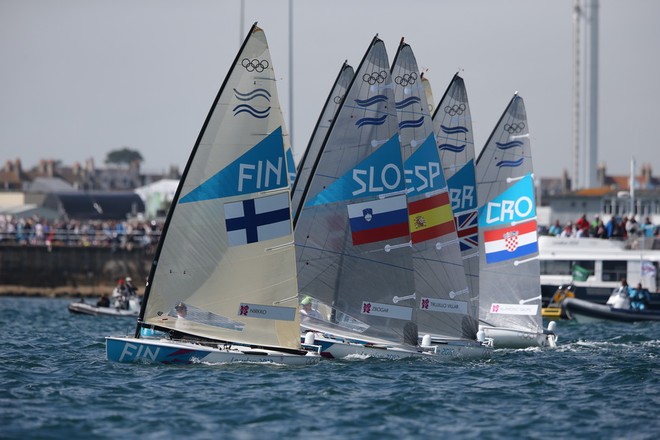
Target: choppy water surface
x,y
602,382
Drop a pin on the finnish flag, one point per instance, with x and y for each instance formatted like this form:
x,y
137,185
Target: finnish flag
x,y
254,220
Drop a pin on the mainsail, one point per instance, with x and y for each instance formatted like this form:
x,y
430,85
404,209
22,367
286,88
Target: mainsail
x,y
510,294
326,117
227,247
452,123
352,232
446,306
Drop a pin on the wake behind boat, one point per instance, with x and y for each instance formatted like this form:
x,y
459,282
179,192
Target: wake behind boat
x,y
222,287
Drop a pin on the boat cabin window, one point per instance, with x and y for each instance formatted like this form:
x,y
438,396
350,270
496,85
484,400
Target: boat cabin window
x,y
614,270
565,267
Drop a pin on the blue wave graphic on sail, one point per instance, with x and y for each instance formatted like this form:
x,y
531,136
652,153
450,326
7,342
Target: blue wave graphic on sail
x,y
452,148
412,123
454,130
371,101
256,93
245,108
509,163
406,102
507,145
371,121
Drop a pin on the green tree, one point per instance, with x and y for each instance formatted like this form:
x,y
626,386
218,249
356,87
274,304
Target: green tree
x,y
125,156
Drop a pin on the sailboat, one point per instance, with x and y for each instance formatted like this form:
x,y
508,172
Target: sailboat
x,y
352,238
509,267
448,310
319,133
452,123
223,286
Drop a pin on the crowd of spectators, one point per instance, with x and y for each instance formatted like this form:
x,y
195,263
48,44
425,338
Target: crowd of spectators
x,y
616,228
36,231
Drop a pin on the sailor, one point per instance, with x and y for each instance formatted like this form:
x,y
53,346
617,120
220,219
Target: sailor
x,y
181,310
130,287
306,310
620,297
120,295
104,301
639,297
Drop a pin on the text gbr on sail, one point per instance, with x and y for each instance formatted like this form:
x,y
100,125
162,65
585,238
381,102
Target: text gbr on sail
x,y
462,198
264,174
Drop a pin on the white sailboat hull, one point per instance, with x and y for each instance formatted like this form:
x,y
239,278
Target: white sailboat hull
x,y
82,308
516,338
339,348
128,349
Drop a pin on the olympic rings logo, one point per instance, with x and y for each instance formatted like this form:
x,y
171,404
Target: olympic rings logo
x,y
514,128
255,65
406,79
456,109
375,77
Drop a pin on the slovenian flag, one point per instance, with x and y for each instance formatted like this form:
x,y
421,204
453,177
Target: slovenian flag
x,y
378,220
510,242
253,220
430,218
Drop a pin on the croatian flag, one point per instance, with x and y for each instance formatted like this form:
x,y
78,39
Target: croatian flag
x,y
378,220
253,220
511,242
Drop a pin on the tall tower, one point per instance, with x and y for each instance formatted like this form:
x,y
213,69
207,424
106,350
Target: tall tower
x,y
585,99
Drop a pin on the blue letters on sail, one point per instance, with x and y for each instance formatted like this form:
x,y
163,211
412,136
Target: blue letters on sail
x,y
377,174
253,220
462,191
261,168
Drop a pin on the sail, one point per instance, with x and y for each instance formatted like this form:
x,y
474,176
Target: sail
x,y
446,306
428,92
510,294
305,165
352,232
227,247
452,124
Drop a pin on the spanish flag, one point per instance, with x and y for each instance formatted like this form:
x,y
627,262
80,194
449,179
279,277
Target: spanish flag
x,y
430,218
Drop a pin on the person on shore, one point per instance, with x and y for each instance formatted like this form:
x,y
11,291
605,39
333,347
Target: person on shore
x,y
555,229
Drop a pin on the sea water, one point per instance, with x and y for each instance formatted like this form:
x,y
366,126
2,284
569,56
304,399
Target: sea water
x,y
55,382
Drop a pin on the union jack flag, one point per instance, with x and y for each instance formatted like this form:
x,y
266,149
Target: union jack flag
x,y
466,228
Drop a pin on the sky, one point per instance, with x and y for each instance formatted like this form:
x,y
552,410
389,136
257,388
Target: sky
x,y
81,78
